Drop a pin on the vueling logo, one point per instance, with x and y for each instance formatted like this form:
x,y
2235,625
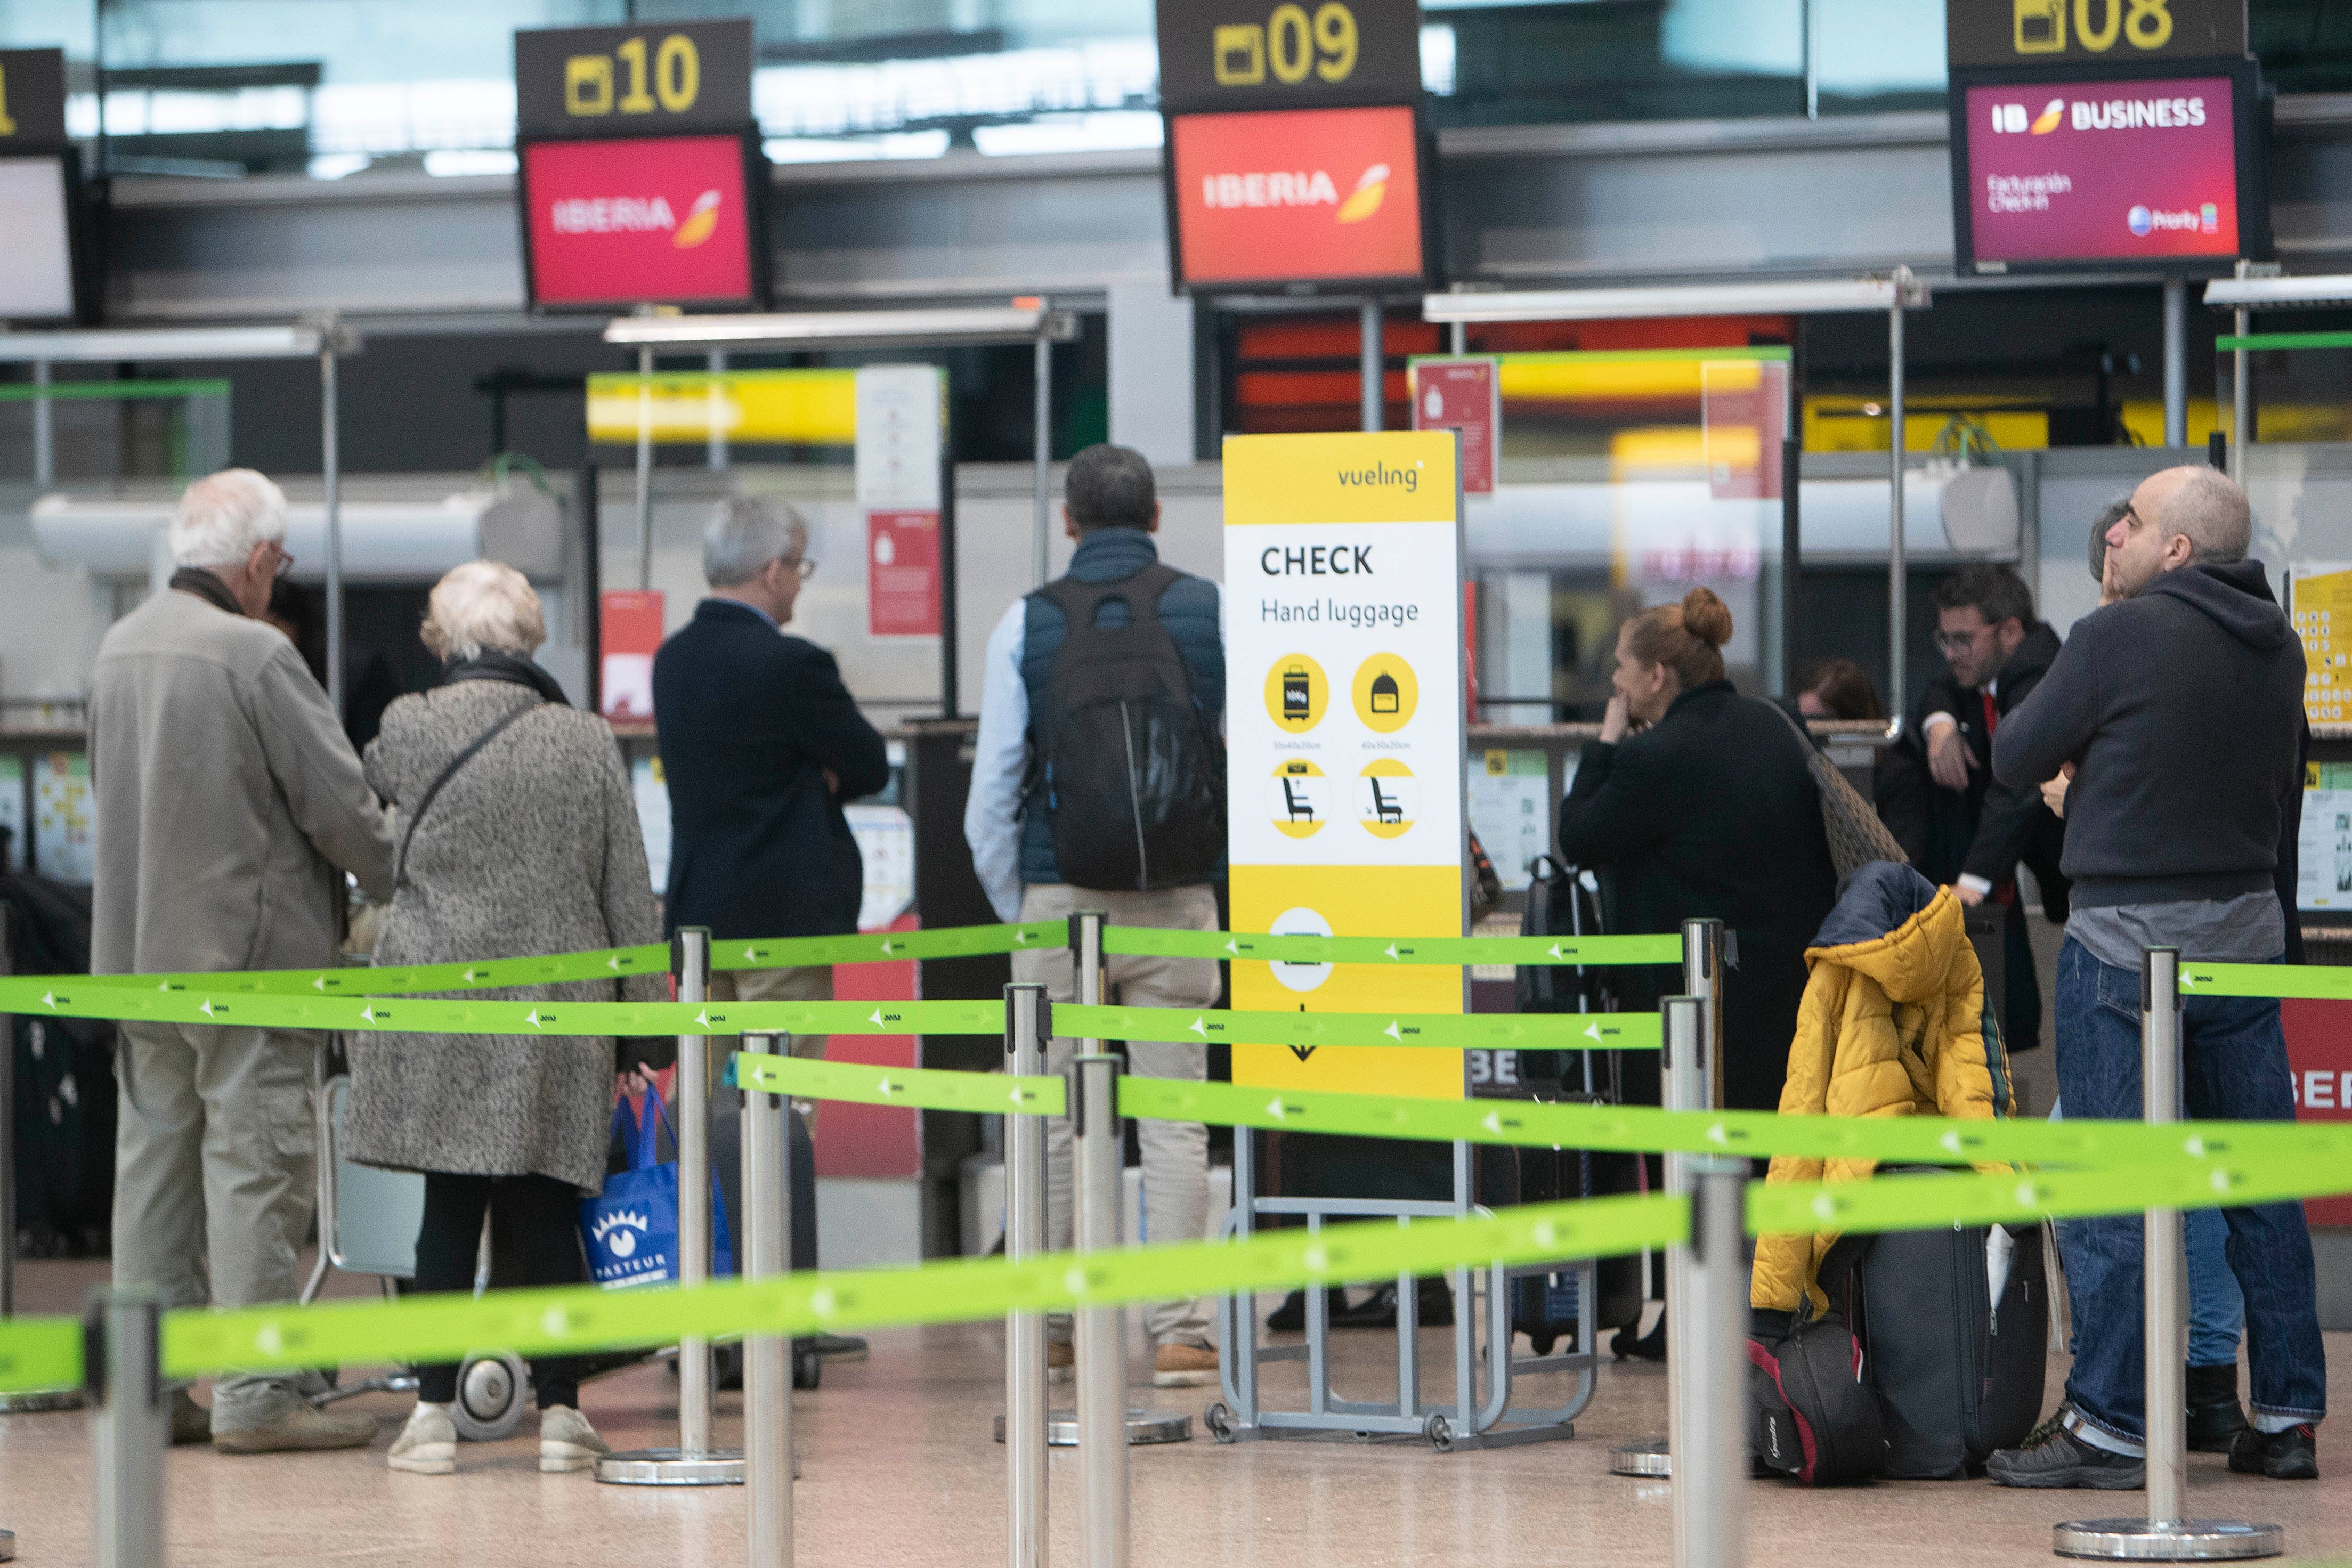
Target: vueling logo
x,y
1380,475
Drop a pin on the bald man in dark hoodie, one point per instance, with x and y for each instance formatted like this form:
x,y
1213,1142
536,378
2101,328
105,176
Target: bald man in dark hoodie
x,y
2177,710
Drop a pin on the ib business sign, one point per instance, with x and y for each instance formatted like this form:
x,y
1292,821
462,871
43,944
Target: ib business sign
x,y
2058,172
612,222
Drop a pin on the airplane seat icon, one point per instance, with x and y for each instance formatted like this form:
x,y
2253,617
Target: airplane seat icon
x,y
1301,809
1390,812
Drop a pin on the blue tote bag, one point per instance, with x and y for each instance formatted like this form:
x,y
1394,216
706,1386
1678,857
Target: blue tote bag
x,y
630,1230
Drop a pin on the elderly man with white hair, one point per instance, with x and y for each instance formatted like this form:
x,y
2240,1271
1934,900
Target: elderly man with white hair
x,y
229,803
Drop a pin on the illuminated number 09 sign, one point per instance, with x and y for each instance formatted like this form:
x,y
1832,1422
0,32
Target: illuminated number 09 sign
x,y
1288,45
675,79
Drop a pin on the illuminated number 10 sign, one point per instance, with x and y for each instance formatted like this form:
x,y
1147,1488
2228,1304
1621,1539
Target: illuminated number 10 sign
x,y
1289,45
676,79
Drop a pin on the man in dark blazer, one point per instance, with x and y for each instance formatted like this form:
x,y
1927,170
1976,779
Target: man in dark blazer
x,y
761,744
1977,830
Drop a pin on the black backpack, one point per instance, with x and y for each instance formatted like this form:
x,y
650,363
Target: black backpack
x,y
1129,770
1812,1415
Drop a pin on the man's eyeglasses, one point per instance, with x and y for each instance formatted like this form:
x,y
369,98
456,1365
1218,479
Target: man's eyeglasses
x,y
803,567
285,562
1958,641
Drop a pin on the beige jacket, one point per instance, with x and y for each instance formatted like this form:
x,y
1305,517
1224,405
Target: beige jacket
x,y
225,797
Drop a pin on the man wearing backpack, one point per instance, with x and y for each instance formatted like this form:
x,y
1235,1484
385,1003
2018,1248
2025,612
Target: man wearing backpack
x,y
1098,783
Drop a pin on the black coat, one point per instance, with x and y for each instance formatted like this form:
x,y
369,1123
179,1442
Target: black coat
x,y
1989,827
1711,812
748,719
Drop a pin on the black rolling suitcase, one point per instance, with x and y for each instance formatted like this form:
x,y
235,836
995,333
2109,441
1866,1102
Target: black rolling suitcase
x,y
1545,1307
1958,1367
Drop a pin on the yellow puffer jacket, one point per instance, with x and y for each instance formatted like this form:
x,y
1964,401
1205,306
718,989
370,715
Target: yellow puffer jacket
x,y
1890,1026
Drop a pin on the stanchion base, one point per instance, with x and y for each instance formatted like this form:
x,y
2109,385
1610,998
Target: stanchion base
x,y
7,1546
1143,1427
1649,1461
672,1468
2179,1540
37,1400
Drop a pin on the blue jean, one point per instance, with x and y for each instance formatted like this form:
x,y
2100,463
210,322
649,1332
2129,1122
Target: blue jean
x,y
2217,1308
2233,1063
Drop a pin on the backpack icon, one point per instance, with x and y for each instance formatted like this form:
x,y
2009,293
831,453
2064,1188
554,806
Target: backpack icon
x,y
1130,772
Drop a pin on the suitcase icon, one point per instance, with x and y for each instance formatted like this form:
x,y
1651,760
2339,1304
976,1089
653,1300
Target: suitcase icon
x,y
1296,697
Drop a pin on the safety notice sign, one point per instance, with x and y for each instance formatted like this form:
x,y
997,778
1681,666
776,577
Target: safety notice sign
x,y
1343,622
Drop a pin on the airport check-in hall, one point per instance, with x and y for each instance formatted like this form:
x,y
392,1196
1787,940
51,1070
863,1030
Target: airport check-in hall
x,y
1409,781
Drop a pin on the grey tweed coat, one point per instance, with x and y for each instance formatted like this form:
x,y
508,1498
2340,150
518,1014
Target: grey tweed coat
x,y
531,848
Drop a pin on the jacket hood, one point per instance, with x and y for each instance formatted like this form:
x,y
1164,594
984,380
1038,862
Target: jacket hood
x,y
2237,597
2034,657
1891,926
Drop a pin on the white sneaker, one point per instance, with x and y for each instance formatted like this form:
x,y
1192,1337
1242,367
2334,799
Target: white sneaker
x,y
566,1441
427,1445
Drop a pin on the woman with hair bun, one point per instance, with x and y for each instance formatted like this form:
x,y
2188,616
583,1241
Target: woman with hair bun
x,y
1695,802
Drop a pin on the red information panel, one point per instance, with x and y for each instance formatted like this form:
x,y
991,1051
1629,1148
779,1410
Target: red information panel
x,y
2319,1057
629,632
612,223
2113,171
872,1141
1460,394
902,574
1305,196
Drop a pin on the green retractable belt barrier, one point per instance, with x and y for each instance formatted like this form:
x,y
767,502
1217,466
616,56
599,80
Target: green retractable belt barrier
x,y
75,997
1152,942
402,1015
879,947
607,962
40,1352
1525,1031
1907,1140
2317,982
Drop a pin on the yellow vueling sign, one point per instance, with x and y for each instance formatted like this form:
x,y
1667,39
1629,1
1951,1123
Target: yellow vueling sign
x,y
1343,611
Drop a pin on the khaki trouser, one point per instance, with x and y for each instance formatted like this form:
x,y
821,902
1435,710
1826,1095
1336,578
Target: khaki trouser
x,y
1175,1153
214,1180
806,983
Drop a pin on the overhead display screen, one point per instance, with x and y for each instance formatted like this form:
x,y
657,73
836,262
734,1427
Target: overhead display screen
x,y
2068,172
37,264
614,223
1276,198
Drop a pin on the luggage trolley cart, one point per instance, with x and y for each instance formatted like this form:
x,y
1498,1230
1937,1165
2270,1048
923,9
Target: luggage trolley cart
x,y
367,1225
1475,1416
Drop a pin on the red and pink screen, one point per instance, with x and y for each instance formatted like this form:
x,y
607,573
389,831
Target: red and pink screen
x,y
2102,170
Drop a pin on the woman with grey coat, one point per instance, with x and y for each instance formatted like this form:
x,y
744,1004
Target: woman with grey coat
x,y
527,845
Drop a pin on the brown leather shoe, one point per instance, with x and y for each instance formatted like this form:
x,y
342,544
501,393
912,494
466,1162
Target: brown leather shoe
x,y
1176,1366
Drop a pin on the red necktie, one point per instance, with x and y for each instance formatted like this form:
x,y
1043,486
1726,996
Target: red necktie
x,y
2006,892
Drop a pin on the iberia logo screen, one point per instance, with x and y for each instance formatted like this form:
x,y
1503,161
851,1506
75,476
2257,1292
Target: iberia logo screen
x,y
2102,170
661,219
1305,196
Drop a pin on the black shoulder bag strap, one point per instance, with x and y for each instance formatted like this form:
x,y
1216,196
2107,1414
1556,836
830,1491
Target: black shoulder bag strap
x,y
432,790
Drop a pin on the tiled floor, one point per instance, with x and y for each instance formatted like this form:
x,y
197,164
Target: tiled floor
x,y
898,1469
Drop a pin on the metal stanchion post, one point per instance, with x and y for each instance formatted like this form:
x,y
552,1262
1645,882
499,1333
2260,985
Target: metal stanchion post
x,y
1710,1436
694,1462
1062,1428
2165,1535
767,1358
1027,1024
133,1426
1101,1354
1691,1070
